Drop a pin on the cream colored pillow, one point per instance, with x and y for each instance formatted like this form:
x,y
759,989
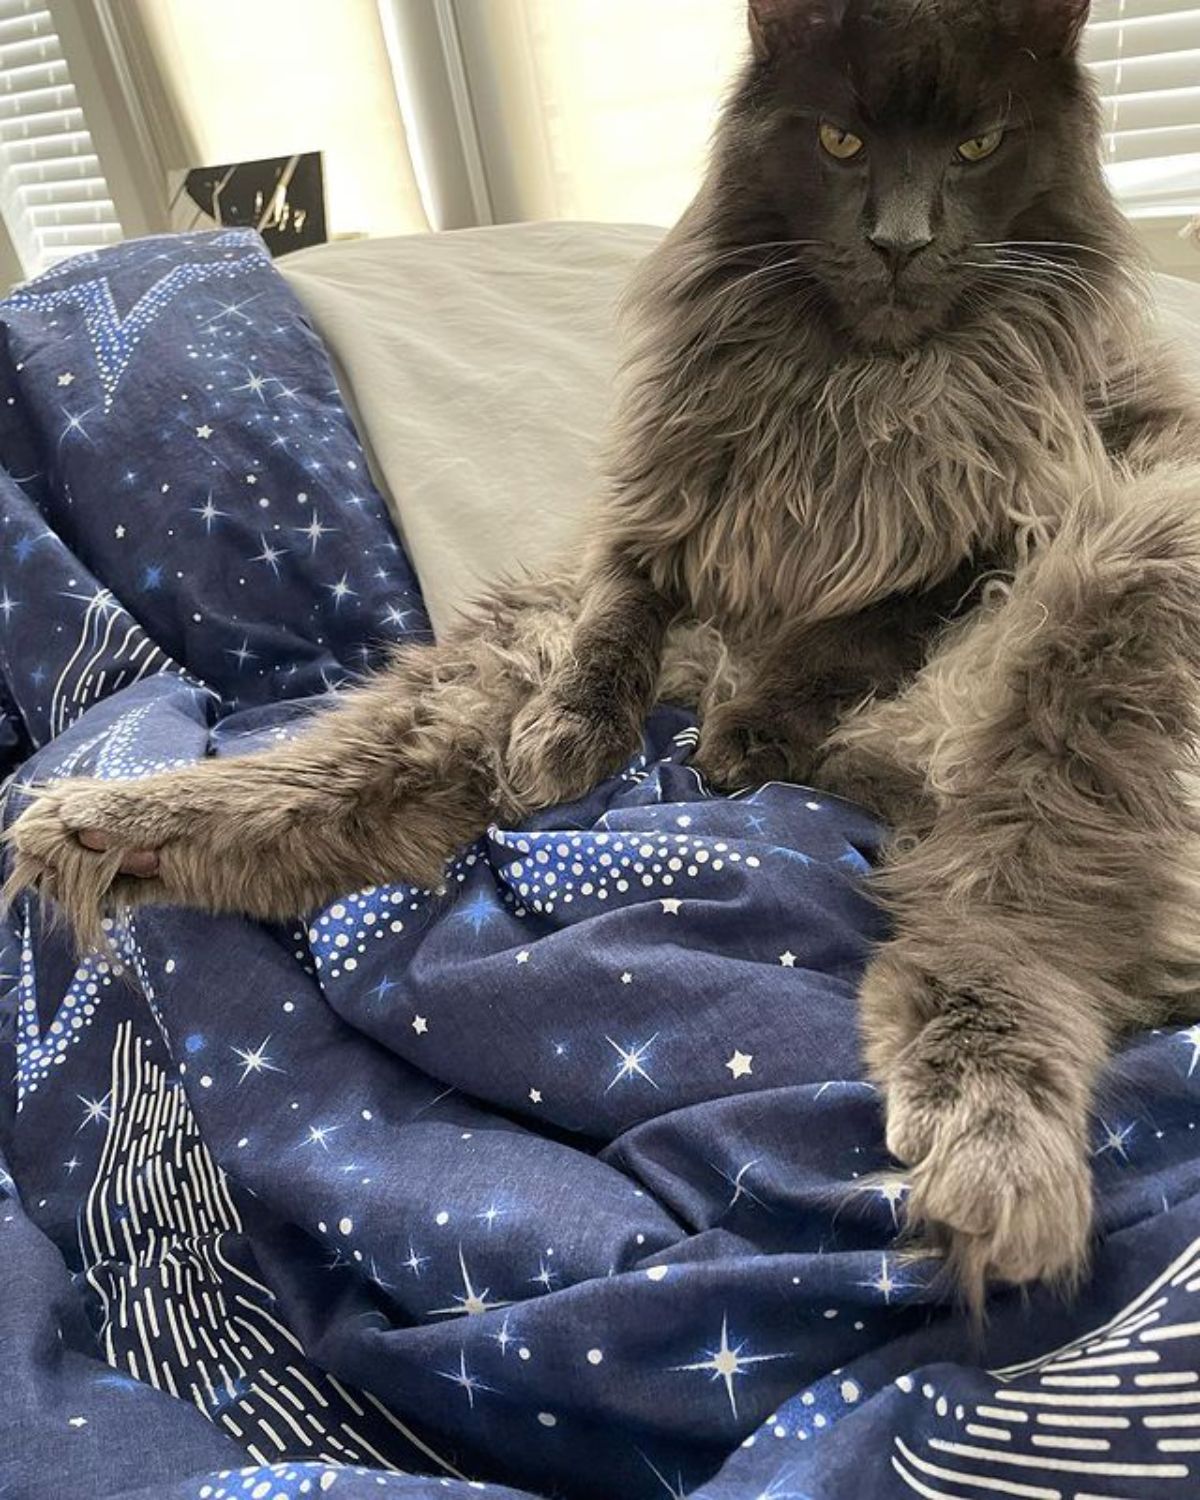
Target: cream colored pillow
x,y
479,368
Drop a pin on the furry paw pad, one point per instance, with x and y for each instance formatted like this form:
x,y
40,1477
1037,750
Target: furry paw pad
x,y
86,845
1002,1182
558,750
737,752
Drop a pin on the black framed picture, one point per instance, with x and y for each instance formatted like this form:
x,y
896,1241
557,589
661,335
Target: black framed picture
x,y
283,197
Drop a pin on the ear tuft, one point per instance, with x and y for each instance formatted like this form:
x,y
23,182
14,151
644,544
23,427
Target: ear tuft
x,y
1057,25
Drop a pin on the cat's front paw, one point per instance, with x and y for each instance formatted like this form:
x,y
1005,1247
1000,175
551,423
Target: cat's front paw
x,y
87,845
125,815
1003,1186
1000,1176
561,745
740,748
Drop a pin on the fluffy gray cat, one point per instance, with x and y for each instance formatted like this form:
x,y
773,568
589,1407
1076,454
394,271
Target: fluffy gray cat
x,y
900,496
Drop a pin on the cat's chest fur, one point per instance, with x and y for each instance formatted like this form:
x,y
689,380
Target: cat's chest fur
x,y
809,492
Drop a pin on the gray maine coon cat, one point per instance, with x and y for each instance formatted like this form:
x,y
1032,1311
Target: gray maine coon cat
x,y
905,495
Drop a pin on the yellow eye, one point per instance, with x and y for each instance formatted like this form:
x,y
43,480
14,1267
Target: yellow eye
x,y
841,144
981,146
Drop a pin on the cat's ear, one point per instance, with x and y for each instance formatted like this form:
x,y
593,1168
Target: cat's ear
x,y
1056,26
776,22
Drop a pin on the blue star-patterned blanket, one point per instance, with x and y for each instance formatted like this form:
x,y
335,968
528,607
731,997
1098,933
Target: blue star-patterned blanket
x,y
561,1180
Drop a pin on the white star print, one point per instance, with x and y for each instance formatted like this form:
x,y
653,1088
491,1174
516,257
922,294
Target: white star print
x,y
8,604
102,601
462,1378
1192,1037
545,1276
415,1261
318,1135
893,1193
270,555
66,379
234,310
204,432
740,1064
788,959
314,531
209,513
471,1303
254,1060
535,1096
420,1025
632,1059
255,385
726,1362
885,1283
75,424
671,906
1115,1139
504,1338
243,654
523,958
341,590
119,533
94,1110
626,978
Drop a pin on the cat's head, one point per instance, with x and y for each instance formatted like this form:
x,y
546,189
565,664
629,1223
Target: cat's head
x,y
906,140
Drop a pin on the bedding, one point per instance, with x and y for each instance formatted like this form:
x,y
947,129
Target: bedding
x,y
454,348
559,1180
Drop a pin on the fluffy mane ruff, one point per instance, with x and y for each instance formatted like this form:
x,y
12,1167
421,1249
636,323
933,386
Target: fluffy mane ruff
x,y
760,456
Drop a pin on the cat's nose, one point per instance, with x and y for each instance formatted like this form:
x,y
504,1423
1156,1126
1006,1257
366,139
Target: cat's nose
x,y
898,249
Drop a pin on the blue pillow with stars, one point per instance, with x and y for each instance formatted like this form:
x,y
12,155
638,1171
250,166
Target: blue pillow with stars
x,y
174,428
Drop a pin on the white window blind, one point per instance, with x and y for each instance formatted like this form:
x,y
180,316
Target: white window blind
x,y
54,199
604,108
1146,55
